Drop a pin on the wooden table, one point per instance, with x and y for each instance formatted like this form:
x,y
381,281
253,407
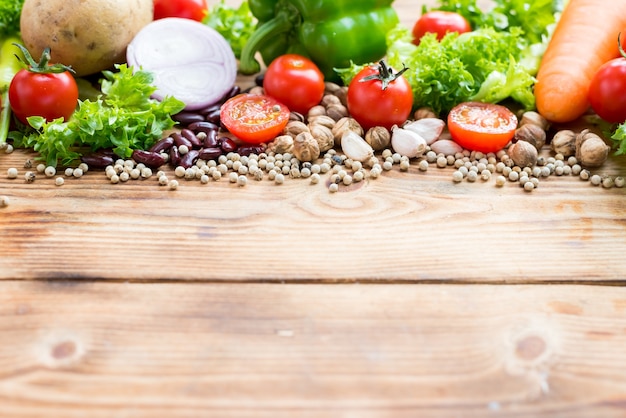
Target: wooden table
x,y
405,296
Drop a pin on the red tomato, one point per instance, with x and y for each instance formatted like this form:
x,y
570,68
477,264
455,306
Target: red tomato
x,y
188,9
254,118
49,95
439,22
607,91
481,127
295,81
371,104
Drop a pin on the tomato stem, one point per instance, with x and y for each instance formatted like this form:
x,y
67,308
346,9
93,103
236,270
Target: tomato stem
x,y
619,45
43,66
385,74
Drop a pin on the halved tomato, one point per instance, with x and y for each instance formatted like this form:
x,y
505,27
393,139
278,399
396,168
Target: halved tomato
x,y
484,127
254,118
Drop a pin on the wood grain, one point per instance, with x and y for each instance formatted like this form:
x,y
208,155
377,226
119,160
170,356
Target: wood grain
x,y
406,226
109,349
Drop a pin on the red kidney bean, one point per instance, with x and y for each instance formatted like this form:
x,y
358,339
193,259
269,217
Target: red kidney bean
x,y
209,109
228,145
213,116
211,140
191,137
174,156
203,126
180,140
185,118
189,159
163,145
235,90
97,159
246,150
210,153
150,159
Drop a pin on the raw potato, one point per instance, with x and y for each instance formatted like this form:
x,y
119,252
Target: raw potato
x,y
89,35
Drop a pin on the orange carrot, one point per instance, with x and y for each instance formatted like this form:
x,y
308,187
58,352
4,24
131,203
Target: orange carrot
x,y
585,38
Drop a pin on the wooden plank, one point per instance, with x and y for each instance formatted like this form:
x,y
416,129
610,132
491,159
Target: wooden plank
x,y
109,349
406,226
411,226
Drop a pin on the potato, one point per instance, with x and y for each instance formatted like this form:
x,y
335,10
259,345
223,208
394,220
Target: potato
x,y
88,35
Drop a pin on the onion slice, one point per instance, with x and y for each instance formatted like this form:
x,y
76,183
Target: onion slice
x,y
189,60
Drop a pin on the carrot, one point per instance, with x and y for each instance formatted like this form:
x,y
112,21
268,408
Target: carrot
x,y
585,38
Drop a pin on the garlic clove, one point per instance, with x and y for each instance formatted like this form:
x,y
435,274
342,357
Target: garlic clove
x,y
428,128
355,147
406,142
446,147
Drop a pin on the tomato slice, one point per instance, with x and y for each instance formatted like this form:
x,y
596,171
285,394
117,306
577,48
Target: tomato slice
x,y
484,127
254,118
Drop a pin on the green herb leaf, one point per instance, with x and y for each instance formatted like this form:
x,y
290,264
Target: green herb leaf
x,y
236,25
619,139
124,118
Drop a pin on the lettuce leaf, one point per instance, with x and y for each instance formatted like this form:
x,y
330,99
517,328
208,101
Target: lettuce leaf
x,y
124,118
484,65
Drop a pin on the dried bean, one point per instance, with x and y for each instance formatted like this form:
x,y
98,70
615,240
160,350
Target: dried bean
x,y
211,139
249,149
191,137
213,116
228,145
97,160
189,159
258,80
174,156
203,126
235,90
180,140
210,109
210,153
150,159
185,118
163,145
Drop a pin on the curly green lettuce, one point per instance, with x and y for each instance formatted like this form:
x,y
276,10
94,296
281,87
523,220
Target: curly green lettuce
x,y
236,25
123,118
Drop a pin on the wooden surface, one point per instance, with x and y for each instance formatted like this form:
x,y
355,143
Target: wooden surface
x,y
404,296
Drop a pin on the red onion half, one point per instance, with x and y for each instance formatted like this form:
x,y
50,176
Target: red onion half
x,y
190,61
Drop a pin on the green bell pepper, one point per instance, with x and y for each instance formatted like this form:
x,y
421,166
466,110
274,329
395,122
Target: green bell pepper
x,y
332,33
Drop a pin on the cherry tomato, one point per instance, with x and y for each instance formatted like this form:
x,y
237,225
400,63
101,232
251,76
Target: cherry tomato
x,y
607,91
372,104
49,95
295,81
439,22
188,9
254,118
481,127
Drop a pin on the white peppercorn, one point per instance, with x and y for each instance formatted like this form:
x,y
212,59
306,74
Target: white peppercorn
x,y
59,181
12,173
596,180
423,165
173,184
4,201
500,181
457,176
50,171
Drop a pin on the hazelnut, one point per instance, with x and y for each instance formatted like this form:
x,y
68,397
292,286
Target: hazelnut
x,y
523,154
295,127
323,135
564,142
424,112
378,137
305,147
337,111
346,124
281,144
532,134
324,120
591,150
318,110
533,118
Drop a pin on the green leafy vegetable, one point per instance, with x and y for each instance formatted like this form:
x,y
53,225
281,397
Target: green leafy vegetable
x,y
479,65
534,18
10,11
124,118
236,25
619,139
